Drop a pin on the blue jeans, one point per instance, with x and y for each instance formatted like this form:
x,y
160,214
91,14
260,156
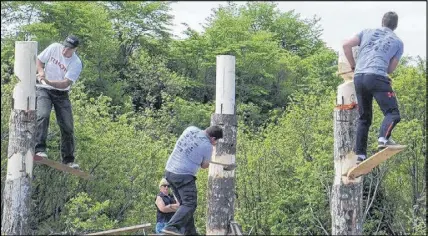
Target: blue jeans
x,y
159,227
367,87
60,101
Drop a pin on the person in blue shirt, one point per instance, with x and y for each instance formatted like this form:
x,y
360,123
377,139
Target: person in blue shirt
x,y
379,52
192,151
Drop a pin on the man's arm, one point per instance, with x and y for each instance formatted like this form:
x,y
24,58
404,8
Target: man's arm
x,y
206,152
205,164
347,49
72,74
62,84
40,69
41,61
393,63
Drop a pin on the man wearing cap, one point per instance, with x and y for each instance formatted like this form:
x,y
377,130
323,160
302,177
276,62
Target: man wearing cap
x,y
58,68
379,53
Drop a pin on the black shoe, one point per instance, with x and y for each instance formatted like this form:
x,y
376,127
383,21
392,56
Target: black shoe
x,y
381,145
171,230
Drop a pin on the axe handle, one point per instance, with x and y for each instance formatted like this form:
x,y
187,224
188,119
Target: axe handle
x,y
218,163
226,167
346,72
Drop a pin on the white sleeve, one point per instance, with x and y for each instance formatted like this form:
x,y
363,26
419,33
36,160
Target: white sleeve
x,y
45,54
73,71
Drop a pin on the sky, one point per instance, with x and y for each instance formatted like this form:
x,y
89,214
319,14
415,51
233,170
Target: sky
x,y
339,20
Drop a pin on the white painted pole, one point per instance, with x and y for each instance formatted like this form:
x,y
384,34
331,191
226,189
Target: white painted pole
x,y
225,85
221,183
22,129
25,69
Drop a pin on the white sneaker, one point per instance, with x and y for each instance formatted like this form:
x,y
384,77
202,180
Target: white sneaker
x,y
73,165
42,154
383,143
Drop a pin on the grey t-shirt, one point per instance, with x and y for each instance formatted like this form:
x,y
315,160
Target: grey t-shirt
x,y
377,47
191,149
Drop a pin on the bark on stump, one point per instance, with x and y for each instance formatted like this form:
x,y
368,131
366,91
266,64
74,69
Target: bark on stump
x,y
221,190
346,196
221,183
17,191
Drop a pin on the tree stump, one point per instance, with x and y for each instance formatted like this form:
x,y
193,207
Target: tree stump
x,y
346,196
221,183
17,191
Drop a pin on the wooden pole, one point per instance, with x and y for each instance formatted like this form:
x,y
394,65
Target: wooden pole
x,y
221,183
346,196
22,129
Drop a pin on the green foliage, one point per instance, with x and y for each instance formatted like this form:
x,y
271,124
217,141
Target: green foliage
x,y
140,89
82,213
267,72
175,115
148,78
288,167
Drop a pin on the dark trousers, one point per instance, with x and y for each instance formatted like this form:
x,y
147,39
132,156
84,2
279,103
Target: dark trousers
x,y
368,86
60,101
184,187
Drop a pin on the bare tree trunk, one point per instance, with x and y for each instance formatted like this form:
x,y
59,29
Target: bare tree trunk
x,y
347,195
221,183
17,190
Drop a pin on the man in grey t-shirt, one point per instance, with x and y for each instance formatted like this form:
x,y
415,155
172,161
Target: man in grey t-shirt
x,y
192,151
379,53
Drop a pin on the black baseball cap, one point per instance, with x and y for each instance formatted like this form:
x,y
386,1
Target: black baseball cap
x,y
71,41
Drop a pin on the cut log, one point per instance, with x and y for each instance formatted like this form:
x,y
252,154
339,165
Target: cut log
x,y
367,165
62,167
122,230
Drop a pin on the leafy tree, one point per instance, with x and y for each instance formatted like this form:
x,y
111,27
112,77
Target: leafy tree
x,y
140,89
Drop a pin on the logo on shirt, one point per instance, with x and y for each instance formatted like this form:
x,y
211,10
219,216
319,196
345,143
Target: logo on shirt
x,y
57,62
